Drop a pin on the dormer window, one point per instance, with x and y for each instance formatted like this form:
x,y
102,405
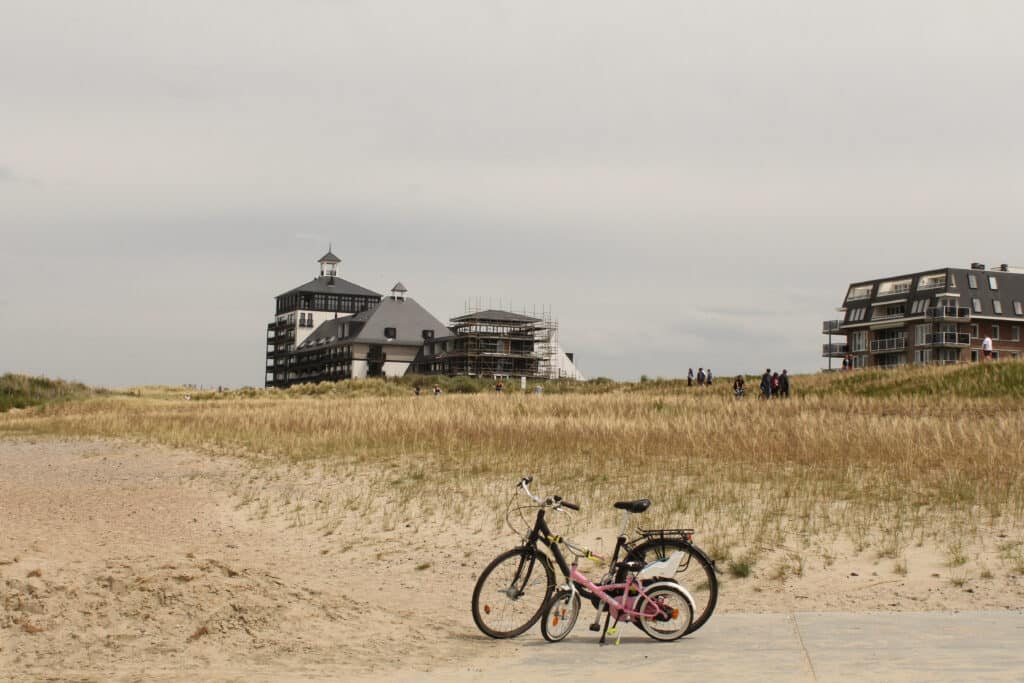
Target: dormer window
x,y
993,284
859,292
390,333
892,287
932,281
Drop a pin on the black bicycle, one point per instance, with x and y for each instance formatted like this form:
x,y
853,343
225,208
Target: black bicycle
x,y
512,591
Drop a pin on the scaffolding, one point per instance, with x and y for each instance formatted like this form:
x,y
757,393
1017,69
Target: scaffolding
x,y
504,342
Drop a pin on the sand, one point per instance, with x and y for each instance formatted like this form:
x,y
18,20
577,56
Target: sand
x,y
128,562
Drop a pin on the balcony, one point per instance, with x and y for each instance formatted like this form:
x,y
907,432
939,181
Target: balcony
x,y
948,339
888,345
878,315
834,350
950,313
831,326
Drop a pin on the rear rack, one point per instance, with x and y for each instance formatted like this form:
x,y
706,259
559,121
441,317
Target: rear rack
x,y
667,533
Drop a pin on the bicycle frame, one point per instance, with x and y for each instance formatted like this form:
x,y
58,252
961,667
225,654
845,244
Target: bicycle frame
x,y
616,607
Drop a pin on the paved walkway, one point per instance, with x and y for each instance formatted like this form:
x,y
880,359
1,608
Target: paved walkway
x,y
909,646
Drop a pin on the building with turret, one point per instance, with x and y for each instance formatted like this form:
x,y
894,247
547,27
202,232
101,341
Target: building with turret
x,y
330,329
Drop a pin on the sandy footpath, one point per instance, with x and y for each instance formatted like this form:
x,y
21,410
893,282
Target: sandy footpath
x,y
128,562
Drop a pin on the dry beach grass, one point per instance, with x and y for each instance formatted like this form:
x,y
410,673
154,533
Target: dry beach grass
x,y
910,482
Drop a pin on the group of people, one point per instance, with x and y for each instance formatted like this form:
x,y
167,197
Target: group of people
x,y
773,385
704,379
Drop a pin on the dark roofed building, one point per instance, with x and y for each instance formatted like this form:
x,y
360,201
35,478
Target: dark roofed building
x,y
330,329
301,310
934,316
380,341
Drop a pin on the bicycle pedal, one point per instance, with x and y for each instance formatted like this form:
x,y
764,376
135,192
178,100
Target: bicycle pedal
x,y
595,628
612,631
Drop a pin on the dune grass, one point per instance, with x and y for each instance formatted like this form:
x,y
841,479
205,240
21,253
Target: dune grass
x,y
885,459
24,391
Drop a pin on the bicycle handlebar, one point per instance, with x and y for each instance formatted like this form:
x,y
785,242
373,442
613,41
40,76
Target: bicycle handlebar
x,y
555,502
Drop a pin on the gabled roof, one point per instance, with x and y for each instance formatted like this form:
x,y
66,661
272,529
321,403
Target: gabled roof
x,y
407,317
329,257
493,314
331,285
399,287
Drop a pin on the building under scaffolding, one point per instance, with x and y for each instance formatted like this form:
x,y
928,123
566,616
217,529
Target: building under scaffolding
x,y
496,343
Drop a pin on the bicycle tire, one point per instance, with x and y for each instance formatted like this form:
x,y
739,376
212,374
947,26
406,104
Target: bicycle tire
x,y
670,598
560,615
522,581
696,573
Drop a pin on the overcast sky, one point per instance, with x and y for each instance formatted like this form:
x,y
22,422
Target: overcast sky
x,y
682,183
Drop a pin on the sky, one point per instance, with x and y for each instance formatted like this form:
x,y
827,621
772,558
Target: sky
x,y
681,183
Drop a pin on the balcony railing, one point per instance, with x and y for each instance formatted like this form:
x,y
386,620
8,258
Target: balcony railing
x,y
948,339
831,326
887,345
955,313
878,315
834,350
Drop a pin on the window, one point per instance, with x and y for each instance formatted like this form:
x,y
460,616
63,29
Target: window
x,y
1015,333
972,281
856,314
975,332
894,287
995,332
993,284
919,306
923,356
389,332
859,292
1017,309
859,341
976,303
997,306
933,281
921,334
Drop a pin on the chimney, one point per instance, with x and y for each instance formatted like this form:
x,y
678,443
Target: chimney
x,y
977,266
1005,267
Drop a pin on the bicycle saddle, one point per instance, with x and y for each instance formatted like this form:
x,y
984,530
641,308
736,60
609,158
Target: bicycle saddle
x,y
634,505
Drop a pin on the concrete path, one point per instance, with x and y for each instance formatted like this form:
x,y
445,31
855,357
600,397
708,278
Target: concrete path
x,y
921,646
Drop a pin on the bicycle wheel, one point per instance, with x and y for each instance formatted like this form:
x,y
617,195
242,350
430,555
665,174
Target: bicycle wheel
x,y
695,573
511,592
560,615
667,613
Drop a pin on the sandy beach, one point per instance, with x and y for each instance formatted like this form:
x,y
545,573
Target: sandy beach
x,y
127,562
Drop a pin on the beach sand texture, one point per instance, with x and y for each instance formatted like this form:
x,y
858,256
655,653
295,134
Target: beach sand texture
x,y
120,561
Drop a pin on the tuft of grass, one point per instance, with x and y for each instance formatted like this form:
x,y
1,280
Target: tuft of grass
x,y
740,568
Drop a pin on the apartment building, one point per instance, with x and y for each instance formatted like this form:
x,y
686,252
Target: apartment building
x,y
934,316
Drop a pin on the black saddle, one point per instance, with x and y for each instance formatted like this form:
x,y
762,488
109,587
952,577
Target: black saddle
x,y
634,505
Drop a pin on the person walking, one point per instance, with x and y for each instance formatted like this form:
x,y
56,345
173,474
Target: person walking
x,y
709,377
701,377
766,384
775,385
737,386
689,378
986,348
784,384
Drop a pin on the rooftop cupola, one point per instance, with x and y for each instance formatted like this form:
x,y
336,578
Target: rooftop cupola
x,y
398,292
329,264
